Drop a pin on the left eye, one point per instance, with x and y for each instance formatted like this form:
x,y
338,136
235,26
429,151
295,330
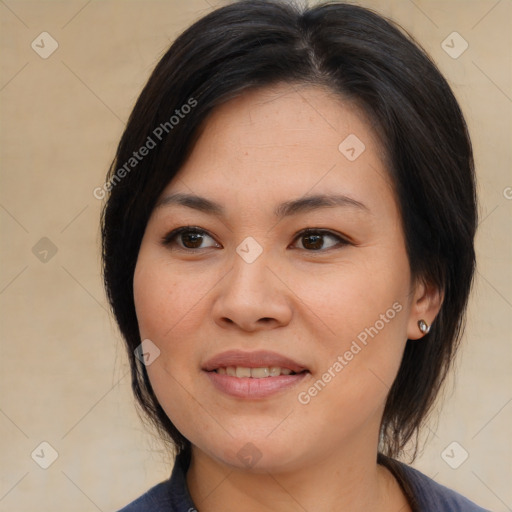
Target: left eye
x,y
190,238
318,240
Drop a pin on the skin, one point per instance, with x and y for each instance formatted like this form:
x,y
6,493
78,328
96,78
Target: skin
x,y
257,151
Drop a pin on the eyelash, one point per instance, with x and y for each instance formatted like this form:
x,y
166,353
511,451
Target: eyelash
x,y
170,239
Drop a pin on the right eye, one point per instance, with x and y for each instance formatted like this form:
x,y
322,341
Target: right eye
x,y
189,238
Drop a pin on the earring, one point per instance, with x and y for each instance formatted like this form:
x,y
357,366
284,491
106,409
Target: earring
x,y
423,326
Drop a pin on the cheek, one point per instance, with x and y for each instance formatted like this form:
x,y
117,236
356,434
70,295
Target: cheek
x,y
165,300
359,363
365,307
347,299
167,306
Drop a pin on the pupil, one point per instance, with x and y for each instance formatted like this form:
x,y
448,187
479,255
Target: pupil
x,y
314,242
192,240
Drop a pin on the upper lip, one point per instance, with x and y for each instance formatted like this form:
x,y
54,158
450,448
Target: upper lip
x,y
257,359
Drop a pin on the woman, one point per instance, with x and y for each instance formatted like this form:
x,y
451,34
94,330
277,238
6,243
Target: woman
x,y
288,251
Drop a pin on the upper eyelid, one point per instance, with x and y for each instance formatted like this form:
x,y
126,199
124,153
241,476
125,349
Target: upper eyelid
x,y
323,231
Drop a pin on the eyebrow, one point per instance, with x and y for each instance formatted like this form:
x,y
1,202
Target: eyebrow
x,y
286,209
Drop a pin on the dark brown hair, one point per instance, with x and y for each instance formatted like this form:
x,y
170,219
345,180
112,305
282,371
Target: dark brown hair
x,y
363,58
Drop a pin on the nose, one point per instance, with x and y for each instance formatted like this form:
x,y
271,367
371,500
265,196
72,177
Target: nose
x,y
252,298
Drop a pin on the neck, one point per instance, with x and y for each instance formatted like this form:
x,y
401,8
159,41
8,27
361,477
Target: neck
x,y
348,480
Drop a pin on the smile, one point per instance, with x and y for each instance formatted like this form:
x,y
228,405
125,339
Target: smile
x,y
253,375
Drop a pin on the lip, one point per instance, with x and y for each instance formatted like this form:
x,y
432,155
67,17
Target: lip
x,y
250,388
258,359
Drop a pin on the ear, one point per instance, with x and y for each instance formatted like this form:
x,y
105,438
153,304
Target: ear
x,y
426,303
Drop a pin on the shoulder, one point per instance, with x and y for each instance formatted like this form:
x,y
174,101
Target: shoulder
x,y
164,497
154,500
169,496
431,496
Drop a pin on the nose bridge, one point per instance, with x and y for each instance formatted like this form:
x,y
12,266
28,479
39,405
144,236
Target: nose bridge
x,y
251,296
249,276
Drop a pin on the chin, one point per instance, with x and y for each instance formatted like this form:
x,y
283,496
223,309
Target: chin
x,y
256,453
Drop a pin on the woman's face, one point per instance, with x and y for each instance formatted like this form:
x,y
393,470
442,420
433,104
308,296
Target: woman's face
x,y
278,315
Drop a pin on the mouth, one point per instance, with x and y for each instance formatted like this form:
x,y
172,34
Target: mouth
x,y
253,375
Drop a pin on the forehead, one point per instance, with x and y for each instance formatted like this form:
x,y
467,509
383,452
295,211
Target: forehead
x,y
284,117
281,141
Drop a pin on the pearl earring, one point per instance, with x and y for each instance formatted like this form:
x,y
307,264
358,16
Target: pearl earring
x,y
423,326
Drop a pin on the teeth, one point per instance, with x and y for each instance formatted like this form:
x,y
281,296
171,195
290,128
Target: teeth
x,y
243,372
275,371
255,373
260,373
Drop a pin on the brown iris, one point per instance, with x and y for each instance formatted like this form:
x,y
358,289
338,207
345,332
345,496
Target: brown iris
x,y
192,239
313,242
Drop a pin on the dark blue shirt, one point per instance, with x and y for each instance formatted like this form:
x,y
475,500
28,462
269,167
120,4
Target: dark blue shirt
x,y
424,494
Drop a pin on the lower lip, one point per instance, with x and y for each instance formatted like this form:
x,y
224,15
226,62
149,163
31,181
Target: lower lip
x,y
250,388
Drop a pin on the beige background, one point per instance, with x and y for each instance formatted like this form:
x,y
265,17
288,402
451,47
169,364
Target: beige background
x,y
63,369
